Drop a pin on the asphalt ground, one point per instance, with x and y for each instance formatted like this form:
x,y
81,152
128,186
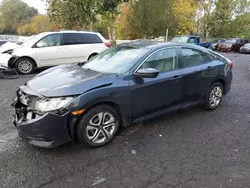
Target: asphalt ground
x,y
190,148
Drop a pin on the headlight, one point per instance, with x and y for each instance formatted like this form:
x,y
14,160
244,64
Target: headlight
x,y
8,52
51,104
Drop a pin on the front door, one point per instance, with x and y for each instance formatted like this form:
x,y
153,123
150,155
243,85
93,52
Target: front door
x,y
48,51
149,95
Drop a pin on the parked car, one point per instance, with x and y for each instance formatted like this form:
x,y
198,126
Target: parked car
x,y
215,43
232,44
54,48
125,84
245,49
192,39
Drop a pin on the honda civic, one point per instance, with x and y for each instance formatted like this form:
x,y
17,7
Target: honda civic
x,y
89,101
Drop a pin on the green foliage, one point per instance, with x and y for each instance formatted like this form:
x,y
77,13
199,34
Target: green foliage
x,y
74,14
15,13
38,24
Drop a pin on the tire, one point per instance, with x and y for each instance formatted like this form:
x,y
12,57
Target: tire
x,y
214,96
93,134
25,66
91,56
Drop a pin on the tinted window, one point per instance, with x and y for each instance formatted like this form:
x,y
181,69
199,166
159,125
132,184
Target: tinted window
x,y
73,38
51,40
163,60
92,38
192,57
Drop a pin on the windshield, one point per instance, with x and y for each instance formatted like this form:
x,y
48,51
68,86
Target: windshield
x,y
231,40
33,39
116,59
25,40
180,39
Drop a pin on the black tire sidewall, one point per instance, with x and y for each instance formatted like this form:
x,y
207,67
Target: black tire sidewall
x,y
24,59
83,122
207,102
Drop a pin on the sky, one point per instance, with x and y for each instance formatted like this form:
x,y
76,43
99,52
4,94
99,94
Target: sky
x,y
40,5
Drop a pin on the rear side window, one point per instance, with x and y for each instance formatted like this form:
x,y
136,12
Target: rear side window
x,y
73,38
92,38
193,57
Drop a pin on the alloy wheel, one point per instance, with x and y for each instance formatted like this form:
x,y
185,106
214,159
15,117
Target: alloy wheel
x,y
25,66
215,96
101,127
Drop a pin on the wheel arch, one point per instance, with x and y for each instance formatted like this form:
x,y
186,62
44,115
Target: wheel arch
x,y
222,81
11,64
122,115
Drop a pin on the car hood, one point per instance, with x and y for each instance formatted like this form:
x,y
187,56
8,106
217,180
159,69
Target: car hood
x,y
8,46
68,80
226,43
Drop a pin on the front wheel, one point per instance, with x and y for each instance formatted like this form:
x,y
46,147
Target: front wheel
x,y
98,126
25,66
214,96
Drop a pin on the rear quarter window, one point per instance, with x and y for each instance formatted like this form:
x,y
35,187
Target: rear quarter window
x,y
92,38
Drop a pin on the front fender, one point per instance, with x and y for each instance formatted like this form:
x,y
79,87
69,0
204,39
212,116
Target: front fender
x,y
110,95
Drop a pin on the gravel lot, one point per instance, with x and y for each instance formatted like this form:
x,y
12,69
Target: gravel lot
x,y
191,148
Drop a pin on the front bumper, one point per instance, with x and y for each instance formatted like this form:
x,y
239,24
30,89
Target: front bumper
x,y
245,51
225,49
8,60
48,130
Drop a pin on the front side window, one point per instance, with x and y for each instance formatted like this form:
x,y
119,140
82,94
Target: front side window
x,y
92,38
73,39
193,57
116,60
49,41
164,60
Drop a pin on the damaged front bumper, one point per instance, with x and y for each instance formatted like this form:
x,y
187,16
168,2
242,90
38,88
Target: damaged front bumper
x,y
8,60
43,130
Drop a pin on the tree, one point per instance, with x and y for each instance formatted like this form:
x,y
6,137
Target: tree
x,y
15,13
76,14
151,18
38,24
184,16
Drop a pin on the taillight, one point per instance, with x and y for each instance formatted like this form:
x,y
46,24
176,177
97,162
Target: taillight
x,y
107,44
230,63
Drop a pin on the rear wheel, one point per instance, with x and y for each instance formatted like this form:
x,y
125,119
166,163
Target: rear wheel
x,y
214,96
24,66
98,126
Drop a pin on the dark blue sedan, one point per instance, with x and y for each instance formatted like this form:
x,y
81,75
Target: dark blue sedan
x,y
132,82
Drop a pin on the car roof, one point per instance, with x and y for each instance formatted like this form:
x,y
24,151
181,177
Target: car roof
x,y
70,31
156,44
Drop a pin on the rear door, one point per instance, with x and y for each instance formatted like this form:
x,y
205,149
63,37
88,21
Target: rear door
x,y
74,47
48,50
198,70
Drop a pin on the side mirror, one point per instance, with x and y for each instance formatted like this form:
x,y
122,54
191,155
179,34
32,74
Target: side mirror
x,y
147,73
40,45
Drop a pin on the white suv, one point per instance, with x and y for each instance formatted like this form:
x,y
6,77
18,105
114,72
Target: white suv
x,y
54,48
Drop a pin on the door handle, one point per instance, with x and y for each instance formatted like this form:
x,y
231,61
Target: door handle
x,y
177,77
